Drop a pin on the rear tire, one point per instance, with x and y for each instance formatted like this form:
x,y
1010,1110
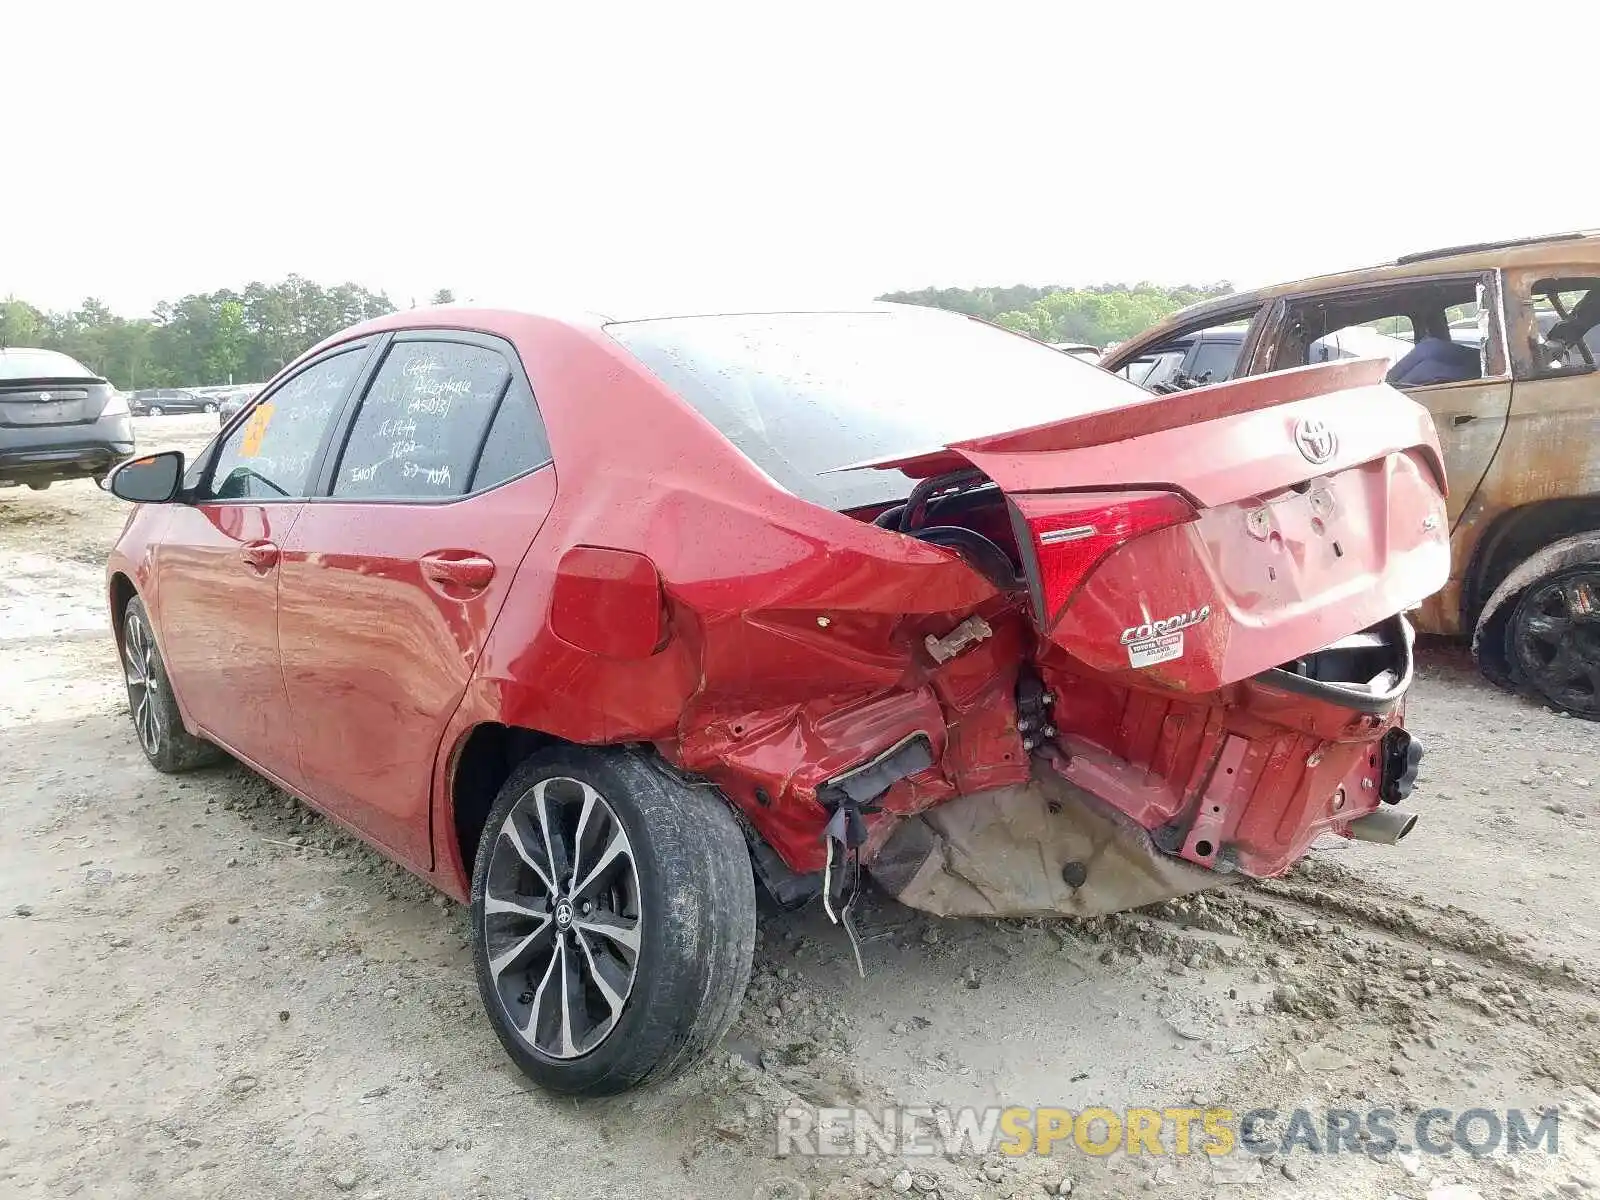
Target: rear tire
x,y
154,410
211,408
1553,640
156,722
597,987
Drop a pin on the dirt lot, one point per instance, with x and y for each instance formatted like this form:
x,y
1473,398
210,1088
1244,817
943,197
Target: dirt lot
x,y
210,991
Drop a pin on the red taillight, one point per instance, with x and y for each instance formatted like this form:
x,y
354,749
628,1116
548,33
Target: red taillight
x,y
1071,533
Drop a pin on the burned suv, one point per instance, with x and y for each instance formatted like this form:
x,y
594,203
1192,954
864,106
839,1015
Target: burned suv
x,y
1500,342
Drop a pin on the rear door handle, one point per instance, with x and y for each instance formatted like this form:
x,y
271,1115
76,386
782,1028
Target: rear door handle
x,y
263,556
463,572
1463,419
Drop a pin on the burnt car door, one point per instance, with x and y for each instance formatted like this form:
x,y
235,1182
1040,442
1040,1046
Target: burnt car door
x,y
1552,445
217,564
394,573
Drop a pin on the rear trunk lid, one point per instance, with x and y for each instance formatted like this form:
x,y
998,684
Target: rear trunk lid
x,y
41,402
1199,539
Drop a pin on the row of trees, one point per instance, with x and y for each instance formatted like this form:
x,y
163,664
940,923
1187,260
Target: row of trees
x,y
209,338
1098,315
246,336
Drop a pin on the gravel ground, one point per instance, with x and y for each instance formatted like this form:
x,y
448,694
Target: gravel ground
x,y
211,991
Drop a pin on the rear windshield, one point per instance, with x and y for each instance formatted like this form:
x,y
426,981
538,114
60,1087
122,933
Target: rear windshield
x,y
41,364
802,393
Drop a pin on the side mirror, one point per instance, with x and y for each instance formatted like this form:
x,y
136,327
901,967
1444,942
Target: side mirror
x,y
152,479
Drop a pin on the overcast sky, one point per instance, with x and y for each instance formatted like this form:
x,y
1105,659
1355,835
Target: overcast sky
x,y
629,156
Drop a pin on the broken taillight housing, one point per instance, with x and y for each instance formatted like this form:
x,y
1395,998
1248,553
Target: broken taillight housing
x,y
1065,535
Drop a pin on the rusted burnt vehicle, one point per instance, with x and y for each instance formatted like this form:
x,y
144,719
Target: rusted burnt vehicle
x,y
1517,407
596,623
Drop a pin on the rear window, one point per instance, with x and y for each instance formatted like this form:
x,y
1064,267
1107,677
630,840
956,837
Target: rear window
x,y
41,364
803,393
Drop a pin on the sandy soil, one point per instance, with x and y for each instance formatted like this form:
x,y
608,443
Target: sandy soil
x,y
210,991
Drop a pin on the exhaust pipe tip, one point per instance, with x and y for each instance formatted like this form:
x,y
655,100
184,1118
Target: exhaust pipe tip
x,y
1385,826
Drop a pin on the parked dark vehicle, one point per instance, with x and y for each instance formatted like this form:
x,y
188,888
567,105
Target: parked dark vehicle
x,y
58,420
232,400
156,401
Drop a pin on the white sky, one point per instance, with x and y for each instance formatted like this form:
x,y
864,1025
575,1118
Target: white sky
x,y
626,156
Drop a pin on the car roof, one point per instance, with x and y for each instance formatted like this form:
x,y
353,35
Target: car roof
x,y
469,315
1557,248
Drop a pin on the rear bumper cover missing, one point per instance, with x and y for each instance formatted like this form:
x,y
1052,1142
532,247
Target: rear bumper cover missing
x,y
1043,848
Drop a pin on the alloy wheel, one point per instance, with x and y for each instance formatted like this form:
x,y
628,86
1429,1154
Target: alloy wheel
x,y
1556,639
139,668
562,919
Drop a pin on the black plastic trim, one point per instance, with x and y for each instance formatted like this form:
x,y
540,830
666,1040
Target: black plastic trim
x,y
1352,696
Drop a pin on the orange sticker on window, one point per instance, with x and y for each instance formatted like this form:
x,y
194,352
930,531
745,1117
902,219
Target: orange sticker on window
x,y
255,430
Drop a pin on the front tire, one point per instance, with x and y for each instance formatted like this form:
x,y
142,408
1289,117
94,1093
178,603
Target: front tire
x,y
156,722
1553,640
613,914
154,410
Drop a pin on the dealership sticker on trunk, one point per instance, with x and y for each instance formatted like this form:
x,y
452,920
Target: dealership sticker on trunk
x,y
1155,650
1160,641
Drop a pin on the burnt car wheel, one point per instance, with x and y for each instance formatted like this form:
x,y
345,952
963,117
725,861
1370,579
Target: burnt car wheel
x,y
154,710
613,912
1553,640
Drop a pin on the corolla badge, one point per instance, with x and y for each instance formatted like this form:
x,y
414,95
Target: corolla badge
x,y
1316,441
1155,629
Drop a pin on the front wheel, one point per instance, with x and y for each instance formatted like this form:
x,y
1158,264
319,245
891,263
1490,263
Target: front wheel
x,y
613,912
1553,639
211,408
151,704
154,410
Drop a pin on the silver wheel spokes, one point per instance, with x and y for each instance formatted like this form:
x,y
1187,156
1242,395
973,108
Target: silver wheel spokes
x,y
139,667
562,918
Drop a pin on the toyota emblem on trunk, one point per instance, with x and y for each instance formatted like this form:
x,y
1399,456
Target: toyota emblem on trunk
x,y
1316,441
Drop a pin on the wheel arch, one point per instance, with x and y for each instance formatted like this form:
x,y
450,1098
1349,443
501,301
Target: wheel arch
x,y
1512,537
121,593
485,756
1488,636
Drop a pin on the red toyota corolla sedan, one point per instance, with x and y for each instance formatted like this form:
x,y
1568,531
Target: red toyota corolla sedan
x,y
602,623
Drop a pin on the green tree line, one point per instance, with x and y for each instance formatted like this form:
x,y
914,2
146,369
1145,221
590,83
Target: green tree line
x,y
1110,312
209,338
245,336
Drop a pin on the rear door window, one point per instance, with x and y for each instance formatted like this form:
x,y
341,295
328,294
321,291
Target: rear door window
x,y
1430,331
423,430
270,454
516,441
1566,330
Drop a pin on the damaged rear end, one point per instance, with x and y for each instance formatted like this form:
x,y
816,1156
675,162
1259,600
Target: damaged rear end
x,y
1186,654
1221,657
